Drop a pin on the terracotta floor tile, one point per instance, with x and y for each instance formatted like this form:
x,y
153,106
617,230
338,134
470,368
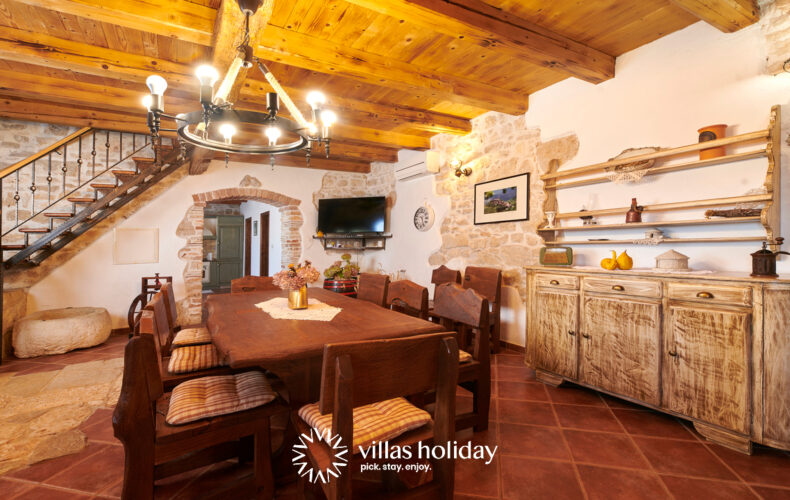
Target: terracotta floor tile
x,y
604,449
93,474
217,478
524,391
170,486
532,479
41,367
588,418
685,487
14,489
101,431
614,402
765,466
682,457
458,496
525,412
532,441
772,493
100,415
18,365
45,493
515,373
613,484
48,468
651,423
574,395
474,477
487,437
509,359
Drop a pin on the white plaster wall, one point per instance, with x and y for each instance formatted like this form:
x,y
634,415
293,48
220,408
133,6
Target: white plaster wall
x,y
253,209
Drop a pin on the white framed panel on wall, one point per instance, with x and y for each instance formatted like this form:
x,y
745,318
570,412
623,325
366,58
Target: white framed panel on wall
x,y
135,246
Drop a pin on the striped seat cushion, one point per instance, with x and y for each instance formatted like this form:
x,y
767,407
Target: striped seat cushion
x,y
464,357
192,336
374,422
207,397
193,358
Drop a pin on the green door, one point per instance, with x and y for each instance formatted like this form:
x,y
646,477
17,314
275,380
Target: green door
x,y
230,237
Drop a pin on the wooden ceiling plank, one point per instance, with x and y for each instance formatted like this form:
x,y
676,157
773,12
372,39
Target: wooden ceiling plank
x,y
726,15
297,49
488,27
296,160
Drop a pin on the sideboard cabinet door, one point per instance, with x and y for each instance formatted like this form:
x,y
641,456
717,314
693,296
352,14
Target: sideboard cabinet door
x,y
620,347
554,327
706,373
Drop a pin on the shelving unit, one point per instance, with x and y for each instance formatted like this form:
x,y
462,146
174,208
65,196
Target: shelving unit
x,y
354,242
769,216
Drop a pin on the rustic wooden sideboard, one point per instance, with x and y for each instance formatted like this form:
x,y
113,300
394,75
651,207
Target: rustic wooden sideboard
x,y
711,348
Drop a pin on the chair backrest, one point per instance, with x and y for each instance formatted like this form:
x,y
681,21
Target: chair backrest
x,y
154,322
134,416
409,298
252,284
373,288
487,281
463,310
444,274
170,303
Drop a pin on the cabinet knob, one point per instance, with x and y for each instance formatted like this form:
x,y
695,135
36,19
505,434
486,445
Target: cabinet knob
x,y
571,332
586,335
618,288
554,282
705,295
673,353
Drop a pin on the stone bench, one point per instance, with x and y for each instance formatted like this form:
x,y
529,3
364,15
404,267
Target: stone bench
x,y
56,331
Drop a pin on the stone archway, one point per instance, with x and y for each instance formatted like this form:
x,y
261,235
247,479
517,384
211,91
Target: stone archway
x,y
191,229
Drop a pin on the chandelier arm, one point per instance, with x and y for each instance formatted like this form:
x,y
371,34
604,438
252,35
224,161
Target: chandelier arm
x,y
297,115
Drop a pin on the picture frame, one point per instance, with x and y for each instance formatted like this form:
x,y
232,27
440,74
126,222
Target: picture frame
x,y
502,200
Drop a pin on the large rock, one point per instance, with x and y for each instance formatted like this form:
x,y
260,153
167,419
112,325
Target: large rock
x,y
60,330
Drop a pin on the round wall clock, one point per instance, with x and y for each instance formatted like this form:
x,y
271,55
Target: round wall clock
x,y
423,218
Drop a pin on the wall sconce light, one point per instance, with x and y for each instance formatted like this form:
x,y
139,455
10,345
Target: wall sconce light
x,y
786,66
456,164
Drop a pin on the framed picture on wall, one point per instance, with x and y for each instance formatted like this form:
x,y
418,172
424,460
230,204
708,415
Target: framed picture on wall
x,y
502,200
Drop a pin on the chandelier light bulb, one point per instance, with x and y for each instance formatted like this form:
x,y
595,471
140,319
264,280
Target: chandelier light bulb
x,y
312,129
328,118
227,130
273,133
207,75
315,99
147,101
156,84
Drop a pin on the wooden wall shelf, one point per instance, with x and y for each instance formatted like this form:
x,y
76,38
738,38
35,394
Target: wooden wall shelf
x,y
769,217
354,242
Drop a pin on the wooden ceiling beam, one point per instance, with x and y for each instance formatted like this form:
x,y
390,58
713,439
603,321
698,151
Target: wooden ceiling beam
x,y
491,28
37,48
726,15
298,160
325,56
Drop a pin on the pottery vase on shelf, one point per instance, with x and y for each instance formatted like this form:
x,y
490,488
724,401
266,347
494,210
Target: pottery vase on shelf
x,y
635,213
711,133
297,299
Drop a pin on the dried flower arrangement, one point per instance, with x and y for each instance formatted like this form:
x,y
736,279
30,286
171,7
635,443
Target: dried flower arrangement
x,y
296,276
342,269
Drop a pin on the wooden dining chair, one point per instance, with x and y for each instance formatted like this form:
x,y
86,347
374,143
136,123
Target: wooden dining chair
x,y
200,422
252,284
182,336
363,385
466,312
373,288
444,274
178,364
487,281
409,298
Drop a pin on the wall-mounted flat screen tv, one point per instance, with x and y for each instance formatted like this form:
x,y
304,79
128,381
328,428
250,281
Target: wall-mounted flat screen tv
x,y
352,215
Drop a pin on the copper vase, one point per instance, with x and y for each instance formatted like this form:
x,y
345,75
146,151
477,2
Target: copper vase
x,y
711,133
297,299
635,213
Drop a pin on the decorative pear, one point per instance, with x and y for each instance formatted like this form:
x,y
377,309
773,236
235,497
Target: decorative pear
x,y
624,261
610,264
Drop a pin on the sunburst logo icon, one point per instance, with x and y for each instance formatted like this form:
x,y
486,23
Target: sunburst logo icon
x,y
305,469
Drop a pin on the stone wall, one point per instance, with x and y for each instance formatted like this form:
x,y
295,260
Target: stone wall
x,y
379,182
498,146
775,26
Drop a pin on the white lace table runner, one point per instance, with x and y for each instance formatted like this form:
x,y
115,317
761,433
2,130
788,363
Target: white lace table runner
x,y
316,310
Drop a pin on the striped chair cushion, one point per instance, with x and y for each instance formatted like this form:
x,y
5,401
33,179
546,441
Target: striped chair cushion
x,y
374,422
207,397
192,336
193,358
464,357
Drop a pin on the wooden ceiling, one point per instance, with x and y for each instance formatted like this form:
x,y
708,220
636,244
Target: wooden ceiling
x,y
396,71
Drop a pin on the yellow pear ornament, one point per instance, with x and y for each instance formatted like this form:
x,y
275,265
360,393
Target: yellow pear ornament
x,y
610,264
624,261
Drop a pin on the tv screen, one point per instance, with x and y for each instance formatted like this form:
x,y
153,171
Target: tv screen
x,y
352,215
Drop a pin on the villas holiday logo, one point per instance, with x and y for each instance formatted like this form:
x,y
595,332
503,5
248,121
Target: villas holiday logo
x,y
302,463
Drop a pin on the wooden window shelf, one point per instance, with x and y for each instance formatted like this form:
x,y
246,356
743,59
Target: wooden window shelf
x,y
354,242
665,240
665,223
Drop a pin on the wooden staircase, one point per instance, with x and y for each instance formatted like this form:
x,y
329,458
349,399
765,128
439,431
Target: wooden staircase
x,y
88,194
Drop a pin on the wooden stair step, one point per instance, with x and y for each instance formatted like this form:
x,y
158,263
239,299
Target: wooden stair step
x,y
165,146
59,215
80,200
124,173
98,185
34,230
13,247
143,159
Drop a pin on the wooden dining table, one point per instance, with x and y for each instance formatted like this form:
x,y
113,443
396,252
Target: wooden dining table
x,y
293,348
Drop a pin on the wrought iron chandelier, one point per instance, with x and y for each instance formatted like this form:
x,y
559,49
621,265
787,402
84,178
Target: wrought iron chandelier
x,y
214,126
